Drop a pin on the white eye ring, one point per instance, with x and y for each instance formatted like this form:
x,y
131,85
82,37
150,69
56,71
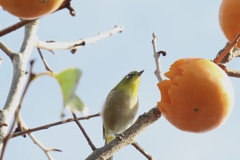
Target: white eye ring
x,y
129,75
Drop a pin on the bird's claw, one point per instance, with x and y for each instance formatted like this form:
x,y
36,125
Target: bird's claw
x,y
120,136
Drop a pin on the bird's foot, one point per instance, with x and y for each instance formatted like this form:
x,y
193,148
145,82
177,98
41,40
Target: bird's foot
x,y
120,136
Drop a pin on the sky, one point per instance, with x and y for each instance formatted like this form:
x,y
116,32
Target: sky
x,y
185,29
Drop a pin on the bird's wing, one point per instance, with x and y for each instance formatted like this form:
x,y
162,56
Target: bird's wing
x,y
104,133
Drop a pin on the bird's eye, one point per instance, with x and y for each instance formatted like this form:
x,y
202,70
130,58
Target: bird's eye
x,y
129,75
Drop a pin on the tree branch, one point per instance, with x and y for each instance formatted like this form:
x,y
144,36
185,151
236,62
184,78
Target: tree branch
x,y
25,130
17,117
233,53
83,131
23,126
232,73
228,48
45,149
140,149
67,4
19,77
156,56
16,134
126,137
48,68
6,50
51,45
14,27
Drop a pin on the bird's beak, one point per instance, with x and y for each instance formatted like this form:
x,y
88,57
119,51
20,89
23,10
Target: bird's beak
x,y
139,73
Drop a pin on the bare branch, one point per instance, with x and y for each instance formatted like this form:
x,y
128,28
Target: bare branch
x,y
17,114
44,61
20,61
45,149
23,126
14,27
156,56
16,134
83,131
6,50
233,53
51,45
25,130
127,137
67,4
3,124
30,38
140,149
232,73
19,78
226,49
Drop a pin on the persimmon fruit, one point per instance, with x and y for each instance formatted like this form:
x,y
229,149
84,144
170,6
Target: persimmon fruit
x,y
197,97
229,18
30,9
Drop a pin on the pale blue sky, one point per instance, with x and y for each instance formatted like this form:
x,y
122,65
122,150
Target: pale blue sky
x,y
185,29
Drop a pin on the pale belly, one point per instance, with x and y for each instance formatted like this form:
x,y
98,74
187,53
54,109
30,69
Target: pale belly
x,y
119,114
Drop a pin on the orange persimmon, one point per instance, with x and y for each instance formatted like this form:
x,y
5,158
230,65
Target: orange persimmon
x,y
229,18
197,97
30,9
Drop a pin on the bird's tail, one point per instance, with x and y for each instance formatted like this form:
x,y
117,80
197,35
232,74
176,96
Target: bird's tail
x,y
108,139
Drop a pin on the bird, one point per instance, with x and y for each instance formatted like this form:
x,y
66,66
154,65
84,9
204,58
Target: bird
x,y
121,106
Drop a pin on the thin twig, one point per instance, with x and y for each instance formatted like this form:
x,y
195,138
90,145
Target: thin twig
x,y
233,53
223,61
227,49
23,126
232,73
83,131
67,4
3,125
140,149
6,50
52,45
48,68
14,27
156,56
45,149
16,134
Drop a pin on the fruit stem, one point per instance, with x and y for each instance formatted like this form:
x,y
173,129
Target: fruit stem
x,y
218,59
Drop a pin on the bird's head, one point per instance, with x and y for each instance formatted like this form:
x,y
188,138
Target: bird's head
x,y
130,82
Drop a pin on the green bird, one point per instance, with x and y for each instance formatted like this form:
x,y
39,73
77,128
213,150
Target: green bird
x,y
121,106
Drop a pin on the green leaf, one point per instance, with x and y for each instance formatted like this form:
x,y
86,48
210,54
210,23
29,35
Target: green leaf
x,y
68,80
76,104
